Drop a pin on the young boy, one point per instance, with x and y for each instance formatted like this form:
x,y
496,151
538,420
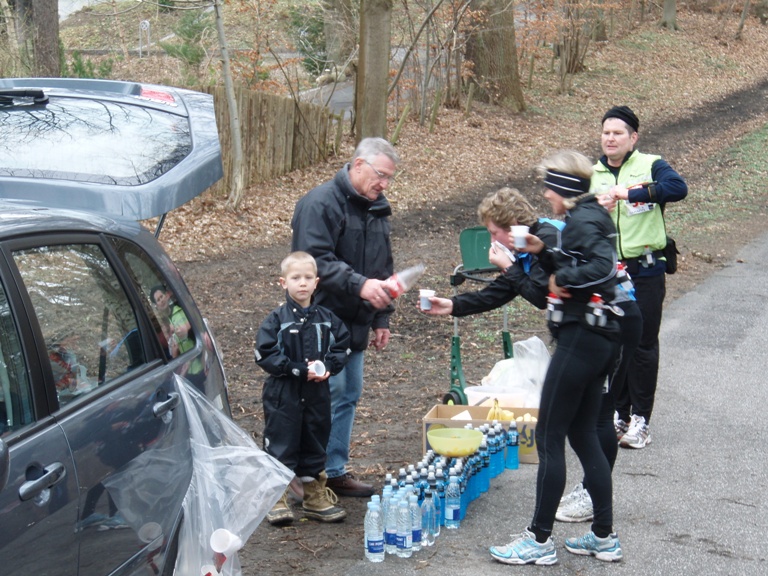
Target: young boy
x,y
296,395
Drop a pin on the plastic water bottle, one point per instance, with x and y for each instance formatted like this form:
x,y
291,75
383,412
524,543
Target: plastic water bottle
x,y
401,478
374,536
493,449
422,484
513,440
501,433
430,525
401,282
404,540
485,466
417,529
386,496
475,464
460,473
624,280
390,526
452,504
438,495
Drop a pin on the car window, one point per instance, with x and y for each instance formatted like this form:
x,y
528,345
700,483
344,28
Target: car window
x,y
90,329
172,327
15,395
117,143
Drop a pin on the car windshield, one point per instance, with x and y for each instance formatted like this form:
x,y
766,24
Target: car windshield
x,y
91,141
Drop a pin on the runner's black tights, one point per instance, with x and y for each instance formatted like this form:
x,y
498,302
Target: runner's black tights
x,y
570,401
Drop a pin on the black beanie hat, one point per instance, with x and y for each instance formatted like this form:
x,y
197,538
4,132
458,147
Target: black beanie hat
x,y
623,113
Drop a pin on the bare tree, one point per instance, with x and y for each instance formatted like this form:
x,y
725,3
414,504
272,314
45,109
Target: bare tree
x,y
742,20
373,68
38,26
236,185
13,53
340,29
493,50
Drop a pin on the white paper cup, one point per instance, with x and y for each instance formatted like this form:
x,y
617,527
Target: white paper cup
x,y
224,542
519,233
424,296
318,368
151,533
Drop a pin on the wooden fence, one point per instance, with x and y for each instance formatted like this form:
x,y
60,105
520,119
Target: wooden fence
x,y
279,134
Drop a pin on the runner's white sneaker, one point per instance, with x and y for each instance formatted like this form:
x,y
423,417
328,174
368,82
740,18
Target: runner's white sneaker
x,y
607,549
572,495
577,509
620,426
525,550
638,435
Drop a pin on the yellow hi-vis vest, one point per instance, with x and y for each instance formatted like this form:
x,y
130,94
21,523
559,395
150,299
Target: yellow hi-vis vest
x,y
640,225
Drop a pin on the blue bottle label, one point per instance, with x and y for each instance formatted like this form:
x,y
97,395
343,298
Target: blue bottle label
x,y
375,546
416,535
390,538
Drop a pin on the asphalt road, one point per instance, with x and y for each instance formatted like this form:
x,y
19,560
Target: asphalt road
x,y
694,501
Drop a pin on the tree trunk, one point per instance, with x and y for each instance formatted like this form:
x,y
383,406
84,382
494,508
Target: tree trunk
x,y
744,14
669,18
236,182
373,68
38,29
12,38
493,50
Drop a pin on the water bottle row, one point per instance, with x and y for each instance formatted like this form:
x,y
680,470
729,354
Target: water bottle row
x,y
414,505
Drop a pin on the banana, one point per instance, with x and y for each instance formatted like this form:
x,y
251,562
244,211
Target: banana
x,y
495,412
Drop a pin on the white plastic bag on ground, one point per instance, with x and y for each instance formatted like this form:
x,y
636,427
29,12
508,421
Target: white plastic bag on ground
x,y
234,484
517,380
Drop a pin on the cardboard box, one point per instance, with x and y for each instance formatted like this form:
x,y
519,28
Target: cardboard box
x,y
452,416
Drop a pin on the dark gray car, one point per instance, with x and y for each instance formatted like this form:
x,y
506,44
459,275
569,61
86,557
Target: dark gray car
x,y
96,322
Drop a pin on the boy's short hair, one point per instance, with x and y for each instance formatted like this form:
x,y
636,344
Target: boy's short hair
x,y
298,257
505,207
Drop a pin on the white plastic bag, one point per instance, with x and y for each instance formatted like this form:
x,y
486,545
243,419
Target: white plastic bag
x,y
234,484
520,377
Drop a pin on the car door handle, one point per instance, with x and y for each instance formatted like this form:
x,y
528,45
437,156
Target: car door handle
x,y
162,408
52,474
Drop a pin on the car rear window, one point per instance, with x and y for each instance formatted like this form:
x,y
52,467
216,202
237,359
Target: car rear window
x,y
94,141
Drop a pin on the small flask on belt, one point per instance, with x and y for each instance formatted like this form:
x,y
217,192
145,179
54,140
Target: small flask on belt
x,y
624,280
595,311
554,308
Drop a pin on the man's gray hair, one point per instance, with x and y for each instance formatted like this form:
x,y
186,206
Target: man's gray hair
x,y
369,148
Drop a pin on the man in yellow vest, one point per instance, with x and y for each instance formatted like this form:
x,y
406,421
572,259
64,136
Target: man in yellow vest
x,y
635,187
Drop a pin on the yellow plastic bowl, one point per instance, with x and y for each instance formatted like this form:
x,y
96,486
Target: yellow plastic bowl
x,y
454,442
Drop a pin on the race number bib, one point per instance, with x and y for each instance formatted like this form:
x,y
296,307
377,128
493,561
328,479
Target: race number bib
x,y
634,208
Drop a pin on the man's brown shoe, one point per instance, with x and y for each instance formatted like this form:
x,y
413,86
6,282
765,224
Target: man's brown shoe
x,y
346,485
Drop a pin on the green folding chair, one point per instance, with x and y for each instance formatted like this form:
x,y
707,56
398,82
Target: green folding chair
x,y
474,244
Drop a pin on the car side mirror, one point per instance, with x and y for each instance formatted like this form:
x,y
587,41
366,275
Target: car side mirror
x,y
5,464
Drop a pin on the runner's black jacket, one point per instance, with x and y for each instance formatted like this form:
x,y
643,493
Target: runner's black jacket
x,y
514,281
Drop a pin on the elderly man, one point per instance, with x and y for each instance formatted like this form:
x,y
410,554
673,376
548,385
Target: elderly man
x,y
635,187
344,224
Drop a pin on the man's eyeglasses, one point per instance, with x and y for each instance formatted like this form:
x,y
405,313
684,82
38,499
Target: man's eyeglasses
x,y
383,177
